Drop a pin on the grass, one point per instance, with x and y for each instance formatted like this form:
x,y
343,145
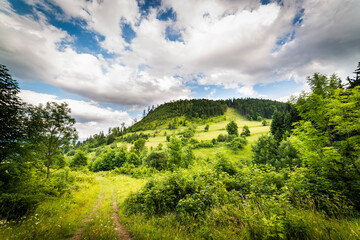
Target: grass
x,y
61,218
246,220
56,218
217,126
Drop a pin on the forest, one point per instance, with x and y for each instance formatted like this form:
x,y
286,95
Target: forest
x,y
190,169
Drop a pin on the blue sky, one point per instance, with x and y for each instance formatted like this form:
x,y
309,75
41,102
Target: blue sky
x,y
111,59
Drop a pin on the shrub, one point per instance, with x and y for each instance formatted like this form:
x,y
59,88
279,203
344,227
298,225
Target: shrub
x,y
205,144
139,144
182,192
238,143
157,160
224,165
133,158
80,159
109,160
15,205
206,129
222,138
245,131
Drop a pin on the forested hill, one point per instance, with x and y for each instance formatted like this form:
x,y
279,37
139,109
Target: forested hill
x,y
194,108
253,109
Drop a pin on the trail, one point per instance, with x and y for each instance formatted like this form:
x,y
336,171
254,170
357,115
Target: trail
x,y
105,212
123,234
88,219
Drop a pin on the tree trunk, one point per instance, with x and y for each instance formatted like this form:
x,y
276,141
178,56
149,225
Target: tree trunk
x,y
48,167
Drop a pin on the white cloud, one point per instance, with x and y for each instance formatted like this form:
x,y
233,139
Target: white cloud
x,y
91,117
232,44
47,55
212,92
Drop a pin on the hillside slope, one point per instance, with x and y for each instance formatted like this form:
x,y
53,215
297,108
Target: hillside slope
x,y
252,109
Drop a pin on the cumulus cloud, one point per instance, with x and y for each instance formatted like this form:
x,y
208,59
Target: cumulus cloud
x,y
232,44
48,55
91,117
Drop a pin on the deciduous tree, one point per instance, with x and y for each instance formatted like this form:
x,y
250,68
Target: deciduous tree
x,y
54,130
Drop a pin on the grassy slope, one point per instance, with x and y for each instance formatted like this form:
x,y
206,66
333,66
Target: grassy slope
x,y
217,126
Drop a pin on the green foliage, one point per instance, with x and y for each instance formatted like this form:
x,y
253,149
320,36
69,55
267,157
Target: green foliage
x,y
267,151
232,128
134,159
238,143
245,131
264,122
277,126
224,165
204,144
135,172
183,192
206,129
79,159
53,130
189,133
131,138
175,156
11,115
139,144
109,160
194,108
157,160
328,138
254,108
222,138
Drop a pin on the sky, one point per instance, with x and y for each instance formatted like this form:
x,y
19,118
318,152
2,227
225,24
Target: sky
x,y
111,59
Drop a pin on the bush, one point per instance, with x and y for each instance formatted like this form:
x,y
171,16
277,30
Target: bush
x,y
157,160
206,129
245,131
267,151
139,144
80,159
109,160
15,205
134,159
182,192
224,165
222,138
136,172
205,144
238,143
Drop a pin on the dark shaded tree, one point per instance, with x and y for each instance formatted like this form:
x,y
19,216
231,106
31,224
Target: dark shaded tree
x,y
11,115
232,129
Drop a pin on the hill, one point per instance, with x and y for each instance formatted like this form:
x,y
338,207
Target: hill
x,y
252,109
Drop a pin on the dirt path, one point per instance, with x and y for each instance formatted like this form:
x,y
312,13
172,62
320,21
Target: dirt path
x,y
123,234
88,219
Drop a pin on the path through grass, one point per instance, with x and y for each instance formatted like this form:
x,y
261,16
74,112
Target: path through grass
x,y
89,212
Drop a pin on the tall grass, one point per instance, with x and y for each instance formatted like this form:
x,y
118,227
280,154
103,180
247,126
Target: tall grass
x,y
246,219
56,218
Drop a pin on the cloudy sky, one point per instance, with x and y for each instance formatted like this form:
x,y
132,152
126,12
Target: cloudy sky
x,y
110,59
